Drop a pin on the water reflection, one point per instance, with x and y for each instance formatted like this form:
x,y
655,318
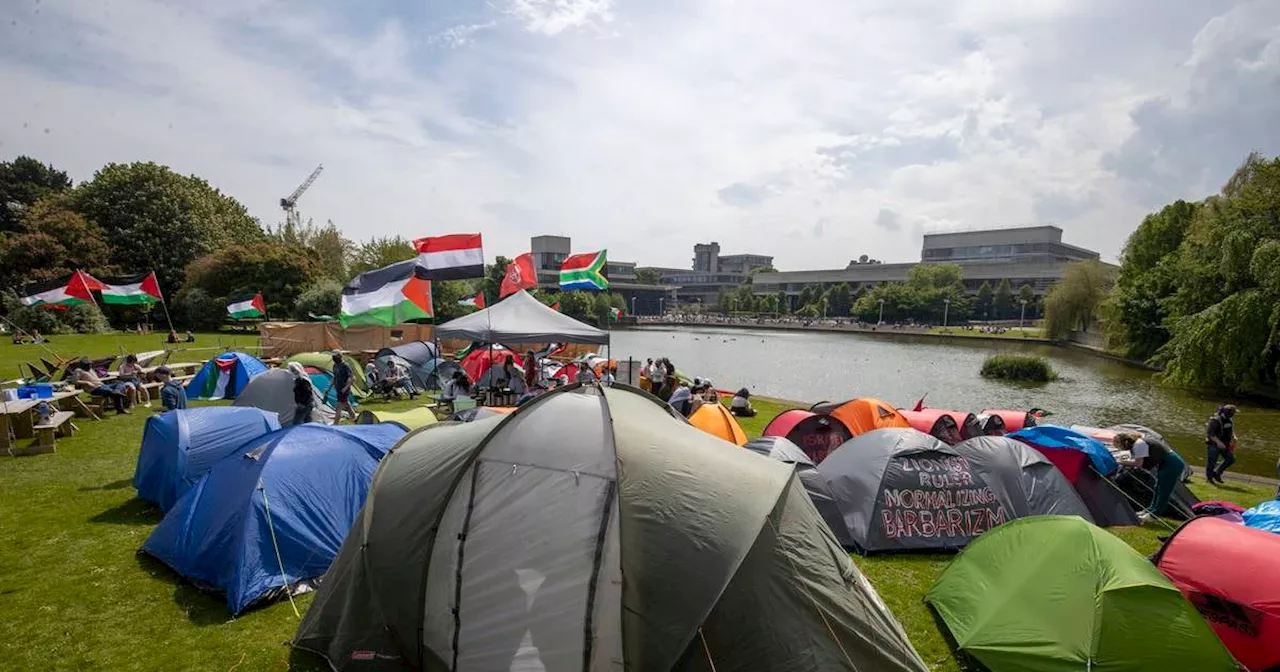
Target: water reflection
x,y
811,366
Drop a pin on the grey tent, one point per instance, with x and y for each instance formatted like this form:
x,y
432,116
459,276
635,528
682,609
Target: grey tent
x,y
502,544
520,318
1045,491
901,489
420,359
273,391
784,450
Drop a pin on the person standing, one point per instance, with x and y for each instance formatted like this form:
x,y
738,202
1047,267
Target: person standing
x,y
343,379
531,373
173,396
304,395
1220,441
1167,465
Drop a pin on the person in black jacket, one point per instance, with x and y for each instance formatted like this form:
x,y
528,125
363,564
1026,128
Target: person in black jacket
x,y
304,396
1220,441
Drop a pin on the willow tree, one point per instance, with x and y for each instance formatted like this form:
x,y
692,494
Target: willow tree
x,y
1072,303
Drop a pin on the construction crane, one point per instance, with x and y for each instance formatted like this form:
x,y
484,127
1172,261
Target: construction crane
x,y
290,203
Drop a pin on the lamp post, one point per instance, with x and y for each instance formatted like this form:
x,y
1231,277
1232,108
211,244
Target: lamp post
x,y
660,300
881,320
946,308
633,304
1022,317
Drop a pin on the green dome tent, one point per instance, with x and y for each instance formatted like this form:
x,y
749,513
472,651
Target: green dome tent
x,y
1056,593
502,544
410,419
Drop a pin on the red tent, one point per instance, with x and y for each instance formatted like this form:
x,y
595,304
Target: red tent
x,y
951,427
817,434
480,359
1231,574
1013,420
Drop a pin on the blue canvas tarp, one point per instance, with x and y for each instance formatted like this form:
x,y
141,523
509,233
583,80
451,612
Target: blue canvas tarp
x,y
224,376
309,481
179,447
1053,436
1265,516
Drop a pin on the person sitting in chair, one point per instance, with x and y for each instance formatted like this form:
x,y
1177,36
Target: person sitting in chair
x,y
87,380
457,386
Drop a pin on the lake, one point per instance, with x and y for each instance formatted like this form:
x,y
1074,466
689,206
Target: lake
x,y
817,366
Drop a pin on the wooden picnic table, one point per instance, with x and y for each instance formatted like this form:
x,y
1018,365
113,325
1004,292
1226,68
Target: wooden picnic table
x,y
20,415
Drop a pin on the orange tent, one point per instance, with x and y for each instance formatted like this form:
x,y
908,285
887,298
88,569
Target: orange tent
x,y
865,414
716,420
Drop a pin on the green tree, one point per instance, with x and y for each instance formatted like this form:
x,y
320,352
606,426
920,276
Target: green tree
x,y
50,241
1138,307
380,252
578,305
724,301
808,295
323,297
280,272
1027,295
445,296
23,182
1002,300
983,302
195,308
493,275
156,219
1072,302
330,251
783,303
648,276
809,311
839,302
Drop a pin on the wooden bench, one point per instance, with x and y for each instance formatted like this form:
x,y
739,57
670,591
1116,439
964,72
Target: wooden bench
x,y
58,424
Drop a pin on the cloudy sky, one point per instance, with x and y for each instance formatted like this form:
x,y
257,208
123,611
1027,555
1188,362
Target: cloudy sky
x,y
813,130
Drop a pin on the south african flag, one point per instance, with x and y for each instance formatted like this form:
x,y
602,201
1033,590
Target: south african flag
x,y
584,271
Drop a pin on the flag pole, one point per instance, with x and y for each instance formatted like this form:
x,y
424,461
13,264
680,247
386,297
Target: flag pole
x,y
164,304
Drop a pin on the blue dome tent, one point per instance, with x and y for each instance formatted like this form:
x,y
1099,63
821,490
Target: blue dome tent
x,y
179,447
224,376
274,517
1053,436
1265,516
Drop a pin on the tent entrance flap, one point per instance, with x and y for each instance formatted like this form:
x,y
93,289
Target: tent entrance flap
x,y
529,610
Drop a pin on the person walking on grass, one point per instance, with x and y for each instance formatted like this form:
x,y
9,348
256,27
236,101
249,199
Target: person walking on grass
x,y
1167,465
173,396
343,378
304,395
1220,442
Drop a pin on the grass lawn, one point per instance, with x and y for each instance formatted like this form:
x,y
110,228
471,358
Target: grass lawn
x,y
75,595
103,345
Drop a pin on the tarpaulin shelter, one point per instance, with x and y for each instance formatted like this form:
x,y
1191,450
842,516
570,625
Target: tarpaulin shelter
x,y
783,450
426,369
716,420
1045,490
502,544
937,423
1231,574
1086,464
263,521
817,434
1013,420
480,413
180,446
520,318
225,376
409,420
1265,516
273,391
863,414
1055,593
902,490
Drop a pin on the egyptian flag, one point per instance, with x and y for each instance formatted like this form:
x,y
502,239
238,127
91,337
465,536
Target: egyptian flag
x,y
520,275
388,296
62,293
454,257
476,301
134,290
247,307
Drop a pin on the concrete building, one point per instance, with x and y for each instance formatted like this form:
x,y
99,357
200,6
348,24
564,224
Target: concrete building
x,y
711,273
706,257
1034,256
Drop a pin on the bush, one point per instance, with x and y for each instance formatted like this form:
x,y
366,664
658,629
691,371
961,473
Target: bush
x,y
321,298
1018,367
86,318
197,309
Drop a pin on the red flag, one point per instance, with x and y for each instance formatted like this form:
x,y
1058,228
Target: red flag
x,y
556,306
920,404
520,275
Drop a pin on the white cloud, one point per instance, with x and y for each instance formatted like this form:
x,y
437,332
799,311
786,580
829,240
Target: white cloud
x,y
765,126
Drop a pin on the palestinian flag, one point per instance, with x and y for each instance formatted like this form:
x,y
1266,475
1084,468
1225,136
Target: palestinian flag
x,y
247,307
476,301
134,290
584,271
388,296
616,314
454,257
60,294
